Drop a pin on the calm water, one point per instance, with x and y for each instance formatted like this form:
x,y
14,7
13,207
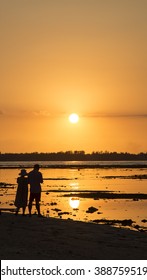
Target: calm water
x,y
72,180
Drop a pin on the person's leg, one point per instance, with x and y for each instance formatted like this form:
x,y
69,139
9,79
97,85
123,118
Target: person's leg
x,y
30,203
17,210
38,206
38,203
23,213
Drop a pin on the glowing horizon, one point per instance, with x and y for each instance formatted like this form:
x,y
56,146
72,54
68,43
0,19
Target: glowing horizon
x,y
85,56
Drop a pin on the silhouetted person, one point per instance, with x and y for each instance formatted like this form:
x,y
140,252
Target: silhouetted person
x,y
21,198
35,179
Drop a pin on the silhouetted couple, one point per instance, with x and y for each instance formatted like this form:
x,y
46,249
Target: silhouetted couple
x,y
34,178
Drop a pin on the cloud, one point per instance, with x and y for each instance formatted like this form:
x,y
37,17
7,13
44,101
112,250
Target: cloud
x,y
115,115
42,113
21,113
48,114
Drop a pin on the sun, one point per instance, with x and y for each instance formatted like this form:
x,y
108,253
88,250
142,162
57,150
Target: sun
x,y
73,118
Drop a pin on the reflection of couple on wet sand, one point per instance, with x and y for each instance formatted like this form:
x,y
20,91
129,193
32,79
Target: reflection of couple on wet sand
x,y
34,178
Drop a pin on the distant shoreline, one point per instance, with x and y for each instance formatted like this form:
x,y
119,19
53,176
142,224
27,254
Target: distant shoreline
x,y
73,156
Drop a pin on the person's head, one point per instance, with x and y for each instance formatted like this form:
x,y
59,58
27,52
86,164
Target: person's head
x,y
23,173
36,167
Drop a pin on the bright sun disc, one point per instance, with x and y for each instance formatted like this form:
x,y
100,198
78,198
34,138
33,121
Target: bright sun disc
x,y
73,118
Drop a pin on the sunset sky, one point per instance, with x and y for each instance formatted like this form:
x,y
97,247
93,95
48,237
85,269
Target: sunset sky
x,y
59,57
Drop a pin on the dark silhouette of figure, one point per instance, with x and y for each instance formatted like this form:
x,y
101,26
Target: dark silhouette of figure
x,y
35,179
21,198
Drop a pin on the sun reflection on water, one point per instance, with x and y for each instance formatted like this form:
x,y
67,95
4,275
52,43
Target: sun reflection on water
x,y
74,202
74,185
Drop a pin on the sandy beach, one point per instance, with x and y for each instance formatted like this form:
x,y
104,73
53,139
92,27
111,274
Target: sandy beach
x,y
49,238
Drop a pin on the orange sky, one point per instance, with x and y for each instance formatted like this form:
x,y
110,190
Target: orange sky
x,y
83,56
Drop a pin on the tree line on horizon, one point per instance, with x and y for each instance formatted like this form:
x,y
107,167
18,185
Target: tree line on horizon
x,y
73,156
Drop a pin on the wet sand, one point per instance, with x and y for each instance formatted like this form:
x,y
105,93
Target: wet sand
x,y
49,238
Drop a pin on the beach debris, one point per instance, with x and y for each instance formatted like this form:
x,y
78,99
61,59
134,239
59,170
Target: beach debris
x,y
7,209
53,203
11,204
64,213
7,185
56,209
125,222
137,227
144,221
91,209
47,213
76,209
